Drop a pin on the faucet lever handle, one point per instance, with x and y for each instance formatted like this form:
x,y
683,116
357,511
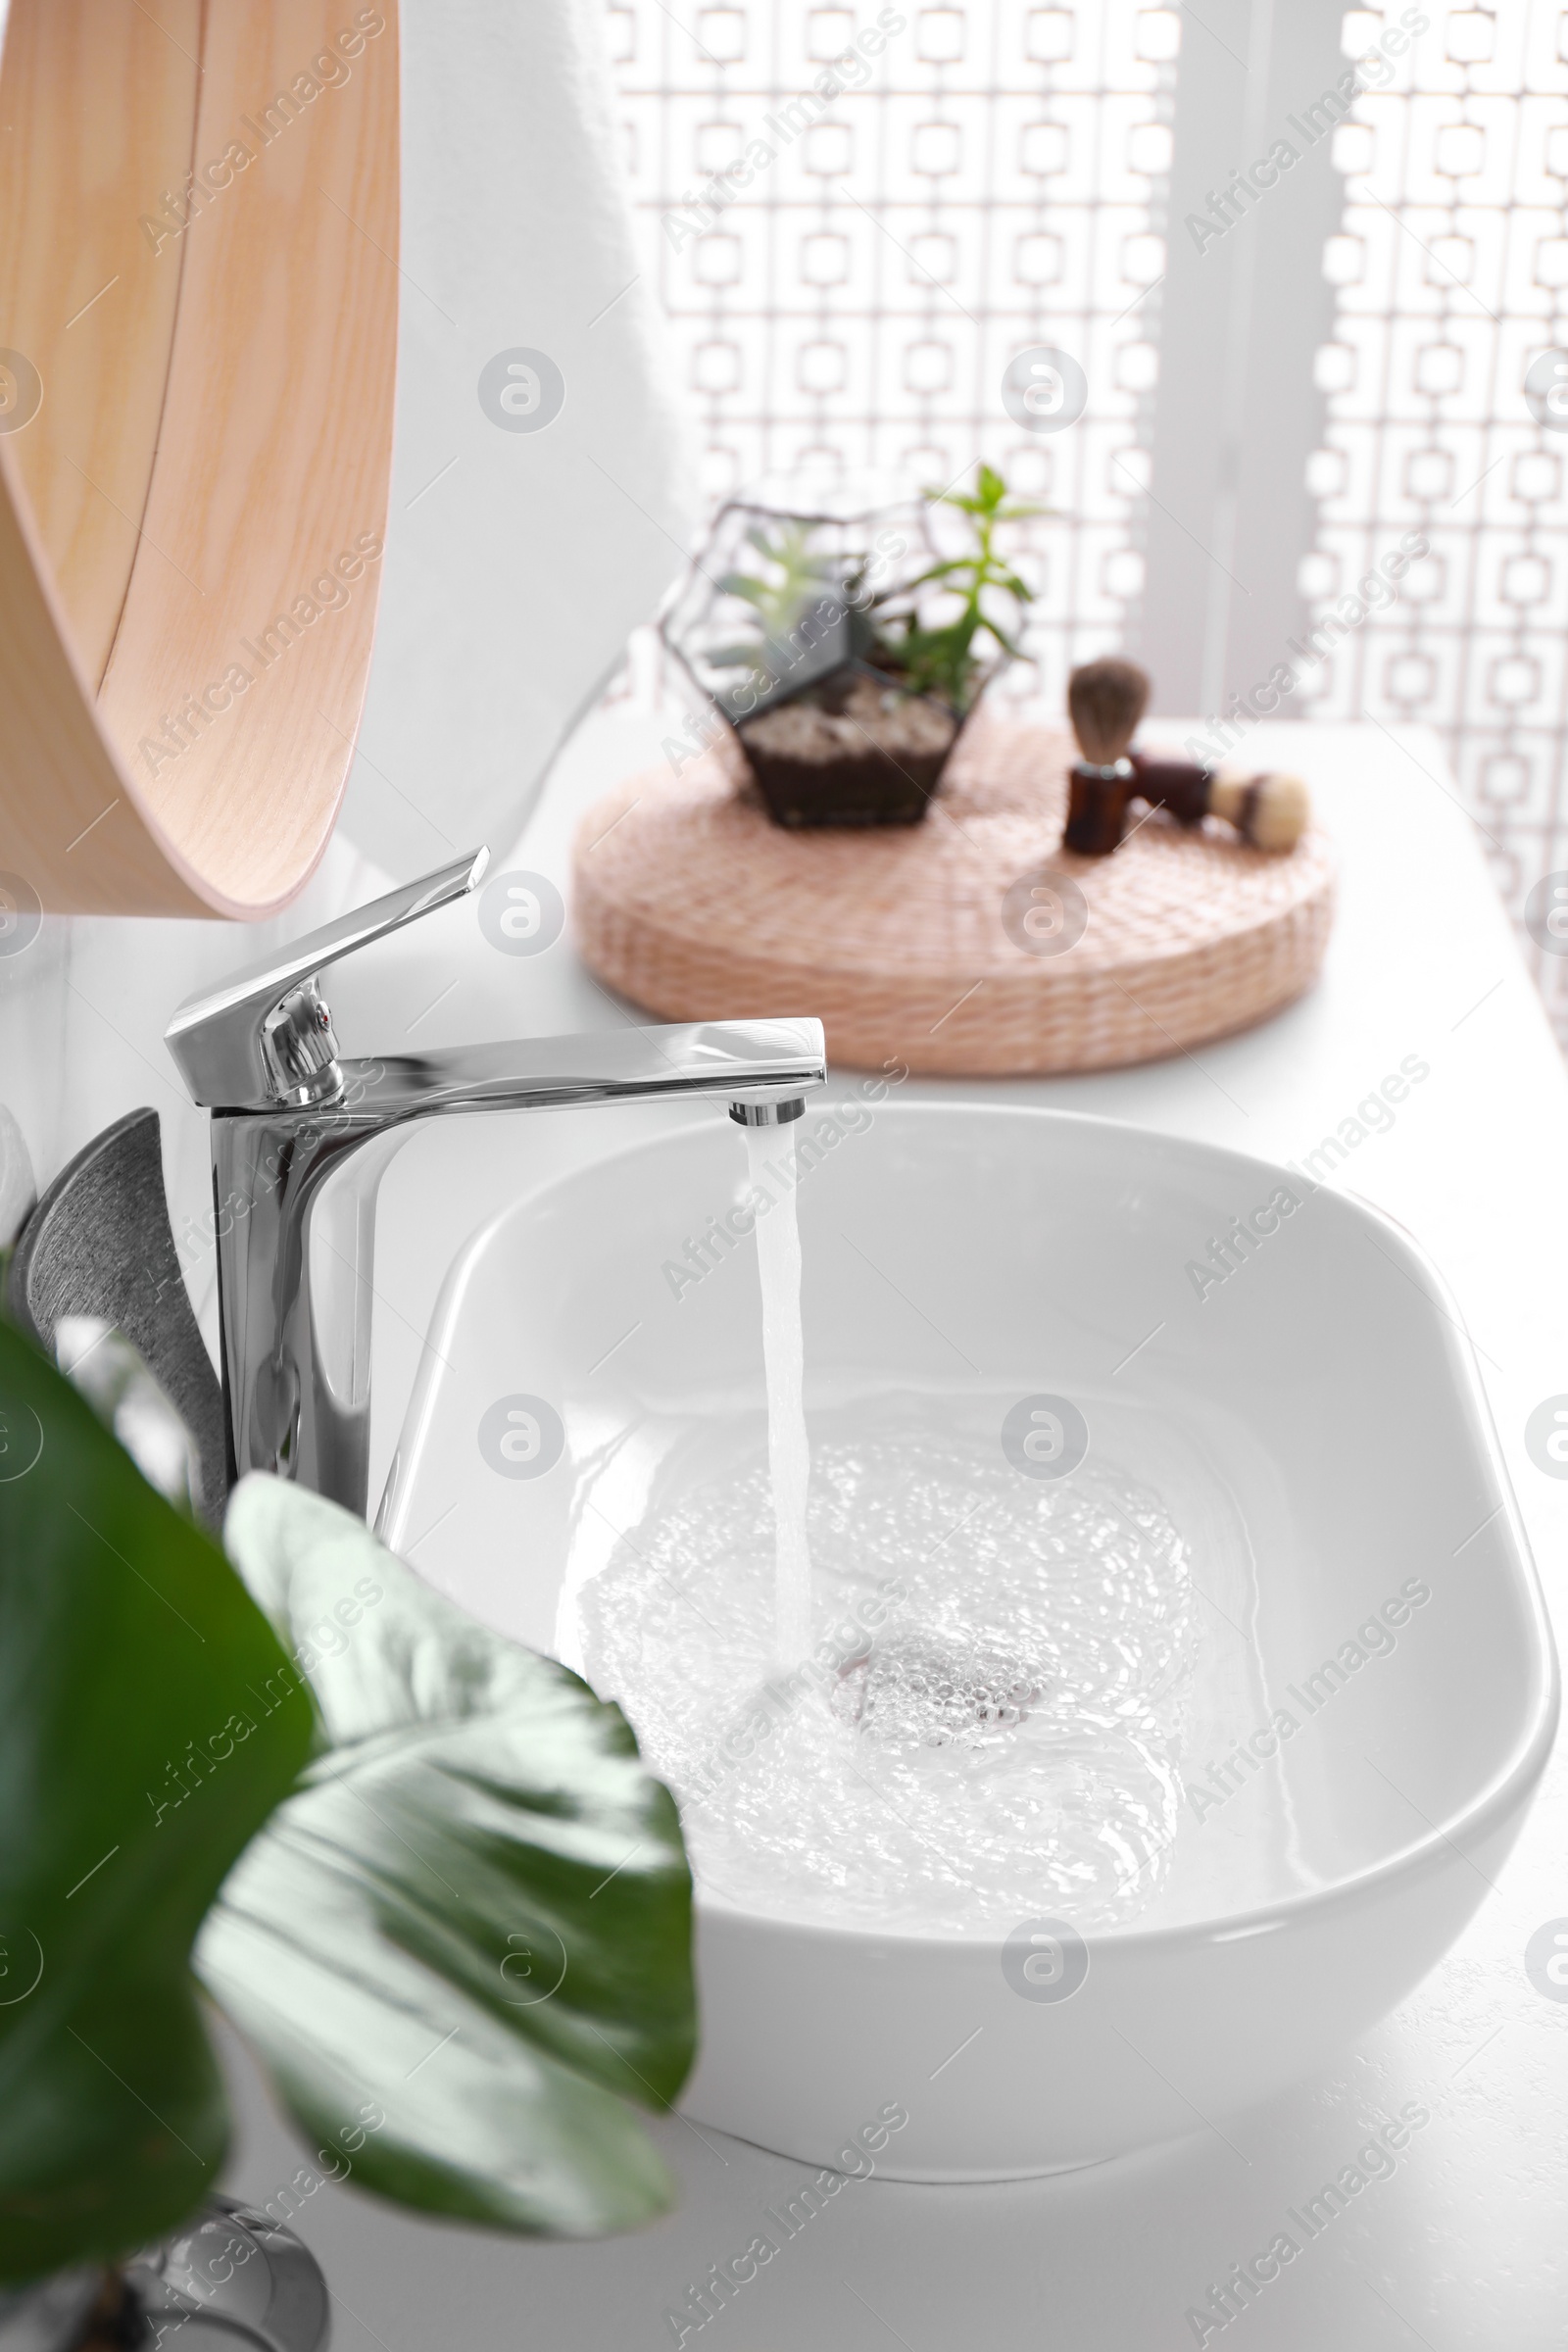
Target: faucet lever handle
x,y
249,1045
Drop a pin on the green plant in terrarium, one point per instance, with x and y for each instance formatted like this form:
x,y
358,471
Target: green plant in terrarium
x,y
796,583
945,659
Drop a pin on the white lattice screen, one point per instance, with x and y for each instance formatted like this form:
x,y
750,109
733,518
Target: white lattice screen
x,y
997,182
1001,180
1453,273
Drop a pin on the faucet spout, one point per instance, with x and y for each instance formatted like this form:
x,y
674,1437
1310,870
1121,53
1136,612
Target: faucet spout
x,y
768,1114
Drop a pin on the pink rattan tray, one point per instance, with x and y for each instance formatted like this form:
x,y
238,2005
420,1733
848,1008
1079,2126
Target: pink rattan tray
x,y
944,945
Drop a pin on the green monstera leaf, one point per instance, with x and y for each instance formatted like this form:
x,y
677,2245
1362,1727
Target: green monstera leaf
x,y
149,1723
464,1946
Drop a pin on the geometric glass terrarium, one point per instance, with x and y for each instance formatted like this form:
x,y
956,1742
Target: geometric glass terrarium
x,y
845,633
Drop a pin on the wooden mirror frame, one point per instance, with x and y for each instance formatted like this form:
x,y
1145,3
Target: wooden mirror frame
x,y
198,350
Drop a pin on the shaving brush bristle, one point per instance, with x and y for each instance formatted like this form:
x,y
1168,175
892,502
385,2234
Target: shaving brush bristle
x,y
1105,700
1271,810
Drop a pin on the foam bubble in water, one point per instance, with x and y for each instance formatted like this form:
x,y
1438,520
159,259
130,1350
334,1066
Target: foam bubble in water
x,y
923,1689
990,1723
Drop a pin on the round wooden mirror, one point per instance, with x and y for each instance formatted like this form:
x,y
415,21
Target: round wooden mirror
x,y
198,324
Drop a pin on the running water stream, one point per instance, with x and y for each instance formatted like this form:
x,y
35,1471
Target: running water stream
x,y
778,1264
985,1712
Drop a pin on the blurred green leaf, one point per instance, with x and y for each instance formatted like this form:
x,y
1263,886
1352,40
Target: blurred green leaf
x,y
741,583
150,1723
466,1943
798,577
944,660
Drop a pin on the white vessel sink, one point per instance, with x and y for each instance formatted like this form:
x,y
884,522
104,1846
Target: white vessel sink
x,y
1314,1423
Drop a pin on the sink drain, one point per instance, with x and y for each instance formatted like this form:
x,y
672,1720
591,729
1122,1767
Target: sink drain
x,y
924,1688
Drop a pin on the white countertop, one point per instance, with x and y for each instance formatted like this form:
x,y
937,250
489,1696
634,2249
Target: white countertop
x,y
1463,2244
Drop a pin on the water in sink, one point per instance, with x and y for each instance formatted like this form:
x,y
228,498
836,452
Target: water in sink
x,y
991,1718
895,1681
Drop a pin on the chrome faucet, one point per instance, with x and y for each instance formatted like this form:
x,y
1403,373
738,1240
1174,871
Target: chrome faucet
x,y
302,1135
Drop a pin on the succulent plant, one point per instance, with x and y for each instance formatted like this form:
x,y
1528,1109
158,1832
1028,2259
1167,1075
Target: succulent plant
x,y
944,659
812,609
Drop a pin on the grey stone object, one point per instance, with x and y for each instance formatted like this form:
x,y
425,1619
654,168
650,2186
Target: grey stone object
x,y
99,1243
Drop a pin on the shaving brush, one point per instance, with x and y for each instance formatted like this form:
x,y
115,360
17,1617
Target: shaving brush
x,y
1105,700
1272,811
